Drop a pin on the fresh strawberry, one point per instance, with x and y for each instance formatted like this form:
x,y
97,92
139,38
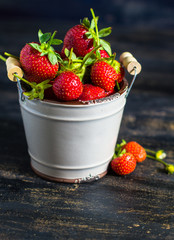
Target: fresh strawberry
x,y
103,75
119,70
136,149
39,60
75,38
37,68
85,36
67,86
91,92
123,164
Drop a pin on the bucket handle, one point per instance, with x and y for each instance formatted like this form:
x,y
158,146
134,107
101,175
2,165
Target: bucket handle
x,y
126,58
14,68
132,66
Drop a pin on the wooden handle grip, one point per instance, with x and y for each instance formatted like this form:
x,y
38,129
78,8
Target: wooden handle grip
x,y
130,62
13,66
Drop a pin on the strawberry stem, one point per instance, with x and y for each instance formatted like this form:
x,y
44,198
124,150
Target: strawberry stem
x,y
159,160
88,55
70,56
159,156
96,26
37,89
118,86
10,55
168,167
52,37
24,80
151,151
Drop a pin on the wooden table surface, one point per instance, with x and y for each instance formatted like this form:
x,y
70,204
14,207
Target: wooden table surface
x,y
136,206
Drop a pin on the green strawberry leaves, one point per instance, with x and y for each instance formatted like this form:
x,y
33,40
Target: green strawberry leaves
x,y
106,45
86,22
44,37
52,57
105,32
56,42
38,90
73,59
70,54
45,48
78,64
35,46
96,35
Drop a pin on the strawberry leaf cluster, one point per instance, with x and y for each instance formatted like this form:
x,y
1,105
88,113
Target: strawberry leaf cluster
x,y
45,48
84,53
96,35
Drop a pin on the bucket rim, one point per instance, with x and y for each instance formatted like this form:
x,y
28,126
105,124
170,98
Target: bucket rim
x,y
82,104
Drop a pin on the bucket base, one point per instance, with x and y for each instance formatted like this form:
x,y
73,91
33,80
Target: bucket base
x,y
66,180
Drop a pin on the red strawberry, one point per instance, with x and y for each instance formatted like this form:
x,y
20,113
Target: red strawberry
x,y
37,68
136,149
124,164
67,86
75,38
103,75
91,92
85,36
39,60
119,70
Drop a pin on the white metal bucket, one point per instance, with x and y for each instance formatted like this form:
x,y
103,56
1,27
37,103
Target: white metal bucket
x,y
72,143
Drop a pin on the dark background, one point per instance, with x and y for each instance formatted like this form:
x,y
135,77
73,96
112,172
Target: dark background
x,y
145,13
145,28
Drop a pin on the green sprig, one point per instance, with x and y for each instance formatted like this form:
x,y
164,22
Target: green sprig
x,y
159,156
45,48
37,89
96,35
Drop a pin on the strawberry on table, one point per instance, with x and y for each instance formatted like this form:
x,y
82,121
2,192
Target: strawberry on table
x,y
136,149
67,86
91,92
39,60
124,164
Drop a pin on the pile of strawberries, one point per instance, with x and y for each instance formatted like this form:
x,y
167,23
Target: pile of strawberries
x,y
84,69
127,155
